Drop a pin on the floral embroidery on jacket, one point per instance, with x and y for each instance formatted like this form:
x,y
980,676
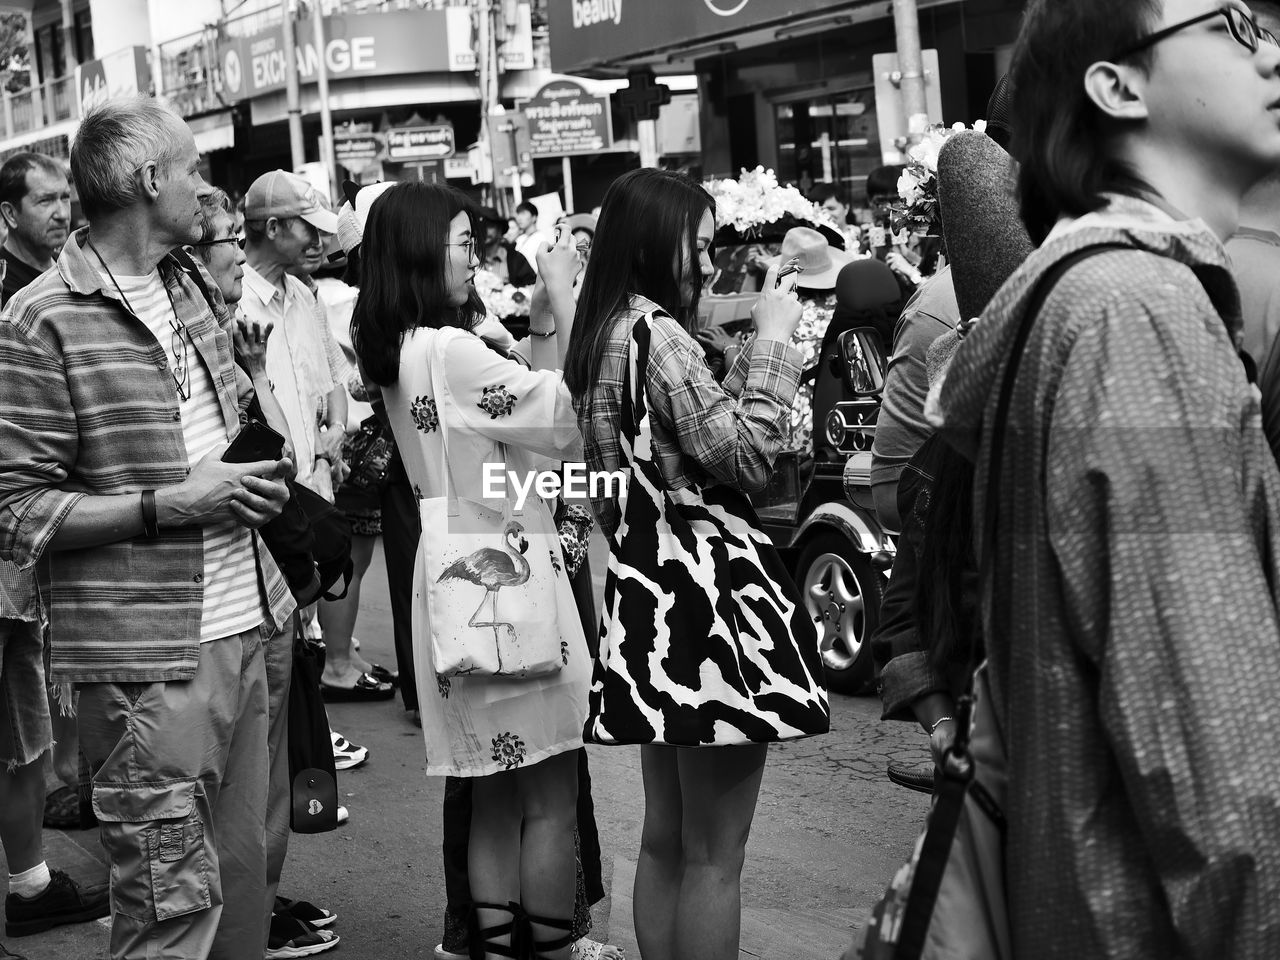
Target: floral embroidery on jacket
x,y
497,401
564,652
424,413
444,685
508,750
555,562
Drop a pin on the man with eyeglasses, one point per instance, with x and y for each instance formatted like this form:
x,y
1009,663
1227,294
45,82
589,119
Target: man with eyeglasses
x,y
285,227
1127,503
118,396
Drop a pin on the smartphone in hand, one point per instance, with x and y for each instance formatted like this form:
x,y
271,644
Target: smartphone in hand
x,y
255,442
792,266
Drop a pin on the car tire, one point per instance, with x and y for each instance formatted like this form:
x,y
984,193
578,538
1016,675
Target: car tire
x,y
841,591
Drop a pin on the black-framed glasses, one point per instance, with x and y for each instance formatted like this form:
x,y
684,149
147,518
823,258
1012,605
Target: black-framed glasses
x,y
213,243
471,247
181,369
1244,30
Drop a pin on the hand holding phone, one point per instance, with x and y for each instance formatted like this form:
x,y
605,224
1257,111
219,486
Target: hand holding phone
x,y
792,266
256,441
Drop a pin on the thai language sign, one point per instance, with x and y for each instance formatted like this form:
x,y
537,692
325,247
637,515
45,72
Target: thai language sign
x,y
356,45
432,141
564,120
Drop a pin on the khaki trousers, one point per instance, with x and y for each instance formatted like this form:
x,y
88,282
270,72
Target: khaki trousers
x,y
180,788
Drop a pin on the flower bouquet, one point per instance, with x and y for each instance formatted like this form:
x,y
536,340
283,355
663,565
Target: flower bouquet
x,y
755,208
918,185
502,300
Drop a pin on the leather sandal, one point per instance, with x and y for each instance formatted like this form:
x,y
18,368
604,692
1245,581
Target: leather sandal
x,y
538,946
365,689
483,941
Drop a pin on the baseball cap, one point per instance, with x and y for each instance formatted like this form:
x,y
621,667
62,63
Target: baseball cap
x,y
281,194
354,212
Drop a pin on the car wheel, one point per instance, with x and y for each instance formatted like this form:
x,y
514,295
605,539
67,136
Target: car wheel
x,y
842,592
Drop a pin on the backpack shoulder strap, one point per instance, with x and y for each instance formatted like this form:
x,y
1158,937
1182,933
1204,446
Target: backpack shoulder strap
x,y
191,270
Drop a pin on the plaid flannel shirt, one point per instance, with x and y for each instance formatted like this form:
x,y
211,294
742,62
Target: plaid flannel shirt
x,y
17,593
88,408
703,431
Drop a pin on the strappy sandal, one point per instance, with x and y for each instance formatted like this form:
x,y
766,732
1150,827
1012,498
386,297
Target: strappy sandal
x,y
587,949
483,941
536,947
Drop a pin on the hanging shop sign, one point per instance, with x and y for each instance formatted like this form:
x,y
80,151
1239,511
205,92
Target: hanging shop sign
x,y
356,151
356,45
119,74
565,120
431,141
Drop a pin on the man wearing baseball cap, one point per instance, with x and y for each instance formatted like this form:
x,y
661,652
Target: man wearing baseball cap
x,y
286,223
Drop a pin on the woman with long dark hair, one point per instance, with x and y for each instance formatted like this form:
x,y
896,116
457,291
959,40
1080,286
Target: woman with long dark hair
x,y
413,330
692,654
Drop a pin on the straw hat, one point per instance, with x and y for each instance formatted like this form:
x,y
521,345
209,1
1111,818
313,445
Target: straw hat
x,y
821,261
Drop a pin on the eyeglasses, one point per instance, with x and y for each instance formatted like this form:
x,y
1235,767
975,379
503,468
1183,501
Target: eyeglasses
x,y
1244,30
181,371
213,243
470,245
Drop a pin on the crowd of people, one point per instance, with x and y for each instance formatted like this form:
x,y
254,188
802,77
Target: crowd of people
x,y
1077,444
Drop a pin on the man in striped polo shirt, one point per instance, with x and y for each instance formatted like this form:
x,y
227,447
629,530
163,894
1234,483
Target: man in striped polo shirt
x,y
118,395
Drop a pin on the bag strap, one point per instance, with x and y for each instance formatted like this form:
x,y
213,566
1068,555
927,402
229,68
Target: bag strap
x,y
634,400
957,778
192,271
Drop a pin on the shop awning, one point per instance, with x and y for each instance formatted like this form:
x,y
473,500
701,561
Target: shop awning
x,y
213,131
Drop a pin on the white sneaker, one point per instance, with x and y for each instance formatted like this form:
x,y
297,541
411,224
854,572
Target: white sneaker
x,y
442,954
343,815
346,755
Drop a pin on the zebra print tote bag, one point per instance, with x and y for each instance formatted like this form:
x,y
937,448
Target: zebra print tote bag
x,y
704,640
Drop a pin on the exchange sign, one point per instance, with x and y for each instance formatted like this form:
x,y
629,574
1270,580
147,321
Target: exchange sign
x,y
566,120
433,141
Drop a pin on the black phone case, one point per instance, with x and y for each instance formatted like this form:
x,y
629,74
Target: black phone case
x,y
255,442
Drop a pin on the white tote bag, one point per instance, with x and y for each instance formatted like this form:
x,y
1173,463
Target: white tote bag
x,y
497,596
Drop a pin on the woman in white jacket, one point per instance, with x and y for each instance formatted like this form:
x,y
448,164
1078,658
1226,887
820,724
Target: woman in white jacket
x,y
413,333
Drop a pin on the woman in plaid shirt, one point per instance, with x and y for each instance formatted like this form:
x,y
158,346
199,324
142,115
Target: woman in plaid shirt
x,y
651,255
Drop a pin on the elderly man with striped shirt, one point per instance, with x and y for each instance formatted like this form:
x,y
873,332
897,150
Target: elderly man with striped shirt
x,y
118,395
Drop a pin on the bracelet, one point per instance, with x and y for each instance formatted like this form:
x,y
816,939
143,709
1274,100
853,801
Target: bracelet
x,y
150,522
937,723
550,333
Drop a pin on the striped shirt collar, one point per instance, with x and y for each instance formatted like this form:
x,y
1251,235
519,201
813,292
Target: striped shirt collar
x,y
83,274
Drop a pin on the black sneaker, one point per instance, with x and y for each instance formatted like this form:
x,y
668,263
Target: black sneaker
x,y
291,937
60,902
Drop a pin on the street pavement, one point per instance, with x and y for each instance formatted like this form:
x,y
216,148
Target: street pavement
x,y
829,833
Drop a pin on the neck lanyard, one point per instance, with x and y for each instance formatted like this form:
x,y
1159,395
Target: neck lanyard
x,y
180,372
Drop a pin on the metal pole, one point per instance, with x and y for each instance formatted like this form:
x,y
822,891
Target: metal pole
x,y
69,38
566,164
906,22
37,96
326,116
297,149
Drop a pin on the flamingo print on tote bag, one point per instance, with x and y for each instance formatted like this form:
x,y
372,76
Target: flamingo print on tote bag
x,y
492,581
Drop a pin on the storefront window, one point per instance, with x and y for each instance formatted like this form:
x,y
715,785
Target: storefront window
x,y
829,139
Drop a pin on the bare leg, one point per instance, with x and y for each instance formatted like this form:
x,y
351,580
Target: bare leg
x,y
720,786
21,814
493,856
548,867
661,864
342,665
